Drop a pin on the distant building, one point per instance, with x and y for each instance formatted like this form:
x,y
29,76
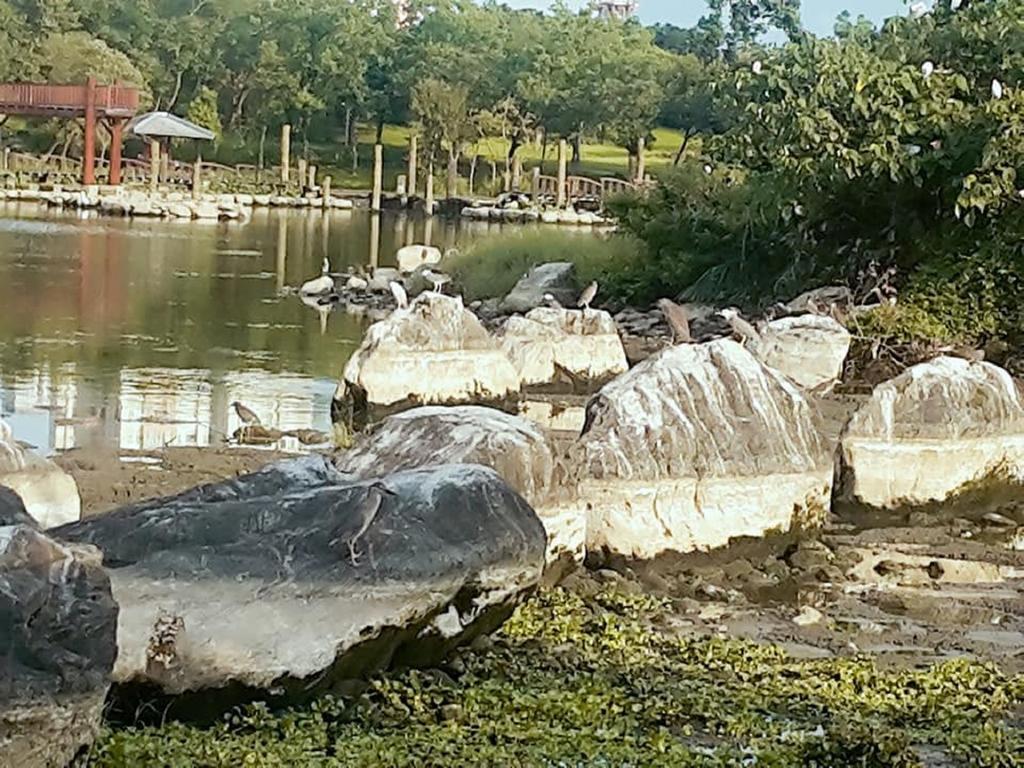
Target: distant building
x,y
616,9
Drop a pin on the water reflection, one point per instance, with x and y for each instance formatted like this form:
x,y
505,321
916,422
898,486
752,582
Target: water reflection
x,y
140,333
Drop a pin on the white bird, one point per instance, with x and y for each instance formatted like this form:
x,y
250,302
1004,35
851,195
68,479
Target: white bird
x,y
708,169
398,291
551,302
319,285
927,69
757,67
997,89
436,279
587,296
352,529
739,326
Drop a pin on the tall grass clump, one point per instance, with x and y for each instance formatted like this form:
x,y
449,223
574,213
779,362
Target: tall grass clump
x,y
491,267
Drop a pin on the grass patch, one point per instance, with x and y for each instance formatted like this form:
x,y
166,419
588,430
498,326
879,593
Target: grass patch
x,y
575,682
491,267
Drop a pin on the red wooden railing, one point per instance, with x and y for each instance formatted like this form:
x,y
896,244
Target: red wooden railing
x,y
43,98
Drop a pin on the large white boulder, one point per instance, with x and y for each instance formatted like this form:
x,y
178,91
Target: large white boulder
x,y
514,447
938,430
695,446
809,349
549,344
49,493
434,351
410,257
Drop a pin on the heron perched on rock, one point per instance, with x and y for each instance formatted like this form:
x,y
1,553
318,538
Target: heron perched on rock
x,y
319,285
587,296
246,415
997,89
740,327
398,291
437,279
678,321
356,526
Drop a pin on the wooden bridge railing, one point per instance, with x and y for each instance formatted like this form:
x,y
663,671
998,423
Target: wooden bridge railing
x,y
582,187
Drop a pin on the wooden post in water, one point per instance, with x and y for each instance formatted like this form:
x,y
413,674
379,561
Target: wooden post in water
x,y
378,177
401,188
517,172
5,159
154,165
413,150
286,151
326,192
301,173
560,197
197,181
641,160
429,205
312,177
535,185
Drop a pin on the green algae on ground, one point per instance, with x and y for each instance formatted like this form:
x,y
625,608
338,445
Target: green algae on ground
x,y
604,682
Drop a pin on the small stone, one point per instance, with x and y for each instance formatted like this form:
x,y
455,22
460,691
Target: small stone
x,y
738,569
808,617
998,520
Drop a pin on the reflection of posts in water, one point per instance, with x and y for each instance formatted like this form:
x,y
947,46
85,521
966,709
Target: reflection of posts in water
x,y
325,235
282,249
428,231
374,239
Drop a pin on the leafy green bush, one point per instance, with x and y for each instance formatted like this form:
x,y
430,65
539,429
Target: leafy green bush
x,y
491,267
575,682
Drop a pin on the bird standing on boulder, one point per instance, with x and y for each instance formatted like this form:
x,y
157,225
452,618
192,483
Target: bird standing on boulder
x,y
436,279
678,321
587,296
352,529
319,285
398,291
740,327
551,302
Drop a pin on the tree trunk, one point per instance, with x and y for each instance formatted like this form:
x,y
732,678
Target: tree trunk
x,y
472,174
380,130
682,147
176,92
348,126
452,185
263,143
577,153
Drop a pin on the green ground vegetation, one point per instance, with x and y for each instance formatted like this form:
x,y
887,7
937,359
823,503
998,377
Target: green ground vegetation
x,y
602,682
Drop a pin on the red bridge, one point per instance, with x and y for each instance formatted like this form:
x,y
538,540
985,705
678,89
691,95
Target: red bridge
x,y
114,104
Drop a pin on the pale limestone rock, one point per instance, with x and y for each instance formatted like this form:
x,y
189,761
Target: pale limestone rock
x,y
261,200
410,257
938,429
205,210
547,340
179,210
514,447
697,445
809,349
49,493
435,351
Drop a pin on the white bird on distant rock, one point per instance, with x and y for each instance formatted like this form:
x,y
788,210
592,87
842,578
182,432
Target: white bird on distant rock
x,y
352,529
997,89
436,279
927,69
739,326
757,67
319,285
551,302
678,321
398,291
587,297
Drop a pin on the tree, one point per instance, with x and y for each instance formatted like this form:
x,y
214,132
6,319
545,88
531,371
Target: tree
x,y
442,110
203,111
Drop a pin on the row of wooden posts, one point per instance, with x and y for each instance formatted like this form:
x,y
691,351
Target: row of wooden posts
x,y
407,182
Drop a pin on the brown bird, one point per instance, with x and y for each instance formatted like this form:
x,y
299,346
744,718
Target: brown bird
x,y
352,529
247,417
678,321
587,296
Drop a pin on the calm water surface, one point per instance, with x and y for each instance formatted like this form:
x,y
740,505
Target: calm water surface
x,y
139,334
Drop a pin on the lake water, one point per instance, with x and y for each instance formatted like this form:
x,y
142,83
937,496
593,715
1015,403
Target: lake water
x,y
139,334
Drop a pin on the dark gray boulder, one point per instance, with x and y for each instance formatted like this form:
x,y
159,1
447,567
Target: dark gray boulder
x,y
58,625
557,278
246,588
12,509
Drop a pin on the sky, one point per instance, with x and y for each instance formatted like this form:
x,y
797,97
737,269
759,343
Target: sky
x,y
819,15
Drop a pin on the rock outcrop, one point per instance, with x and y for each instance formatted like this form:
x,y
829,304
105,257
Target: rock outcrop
x,y
517,449
557,278
695,446
410,257
549,346
282,583
49,493
436,351
58,632
809,349
940,430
